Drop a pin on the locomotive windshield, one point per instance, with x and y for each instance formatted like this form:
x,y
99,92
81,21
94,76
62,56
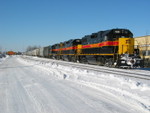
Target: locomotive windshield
x,y
119,33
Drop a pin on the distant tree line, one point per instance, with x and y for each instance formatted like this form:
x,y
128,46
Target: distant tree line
x,y
0,49
30,48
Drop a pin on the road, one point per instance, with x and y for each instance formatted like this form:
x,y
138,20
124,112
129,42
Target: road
x,y
24,88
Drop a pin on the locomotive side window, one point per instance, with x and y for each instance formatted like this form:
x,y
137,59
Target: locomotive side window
x,y
105,38
93,40
99,37
84,41
117,32
94,35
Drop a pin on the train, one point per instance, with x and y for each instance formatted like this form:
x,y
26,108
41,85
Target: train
x,y
111,48
10,53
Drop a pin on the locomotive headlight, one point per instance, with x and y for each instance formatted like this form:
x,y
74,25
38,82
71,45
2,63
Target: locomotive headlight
x,y
132,61
78,40
117,31
123,62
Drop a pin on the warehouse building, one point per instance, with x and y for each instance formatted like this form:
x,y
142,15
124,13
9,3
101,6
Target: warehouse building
x,y
143,43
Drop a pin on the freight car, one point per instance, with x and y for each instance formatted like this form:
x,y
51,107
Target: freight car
x,y
41,52
112,48
46,51
11,53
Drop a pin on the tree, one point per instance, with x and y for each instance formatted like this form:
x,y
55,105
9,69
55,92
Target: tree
x,y
0,49
30,48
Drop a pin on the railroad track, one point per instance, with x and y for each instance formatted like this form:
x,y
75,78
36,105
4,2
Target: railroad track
x,y
140,74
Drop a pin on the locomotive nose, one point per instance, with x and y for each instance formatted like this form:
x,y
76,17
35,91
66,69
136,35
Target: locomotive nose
x,y
126,45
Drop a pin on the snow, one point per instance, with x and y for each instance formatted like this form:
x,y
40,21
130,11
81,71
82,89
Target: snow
x,y
37,85
3,58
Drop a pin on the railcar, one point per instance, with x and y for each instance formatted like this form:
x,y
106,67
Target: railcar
x,y
41,52
29,53
35,52
11,53
46,51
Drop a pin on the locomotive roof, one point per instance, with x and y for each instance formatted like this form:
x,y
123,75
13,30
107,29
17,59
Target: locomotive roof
x,y
107,32
103,33
117,29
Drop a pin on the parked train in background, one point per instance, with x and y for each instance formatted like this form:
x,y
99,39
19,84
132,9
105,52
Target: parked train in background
x,y
10,53
112,48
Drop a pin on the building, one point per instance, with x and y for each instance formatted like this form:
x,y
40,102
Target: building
x,y
143,43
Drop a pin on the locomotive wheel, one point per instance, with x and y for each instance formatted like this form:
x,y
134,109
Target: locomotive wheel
x,y
73,59
84,60
69,58
101,61
109,62
106,63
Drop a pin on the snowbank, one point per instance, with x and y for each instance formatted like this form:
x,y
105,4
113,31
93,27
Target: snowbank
x,y
3,58
131,91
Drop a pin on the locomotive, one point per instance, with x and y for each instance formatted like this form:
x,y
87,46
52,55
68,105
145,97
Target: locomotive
x,y
111,48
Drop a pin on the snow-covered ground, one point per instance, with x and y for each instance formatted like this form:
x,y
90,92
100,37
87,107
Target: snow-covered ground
x,y
3,58
34,86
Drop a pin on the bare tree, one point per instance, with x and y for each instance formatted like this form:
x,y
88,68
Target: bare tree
x,y
0,49
30,48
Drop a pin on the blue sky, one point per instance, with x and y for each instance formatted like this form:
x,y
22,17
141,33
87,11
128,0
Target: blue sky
x,y
26,23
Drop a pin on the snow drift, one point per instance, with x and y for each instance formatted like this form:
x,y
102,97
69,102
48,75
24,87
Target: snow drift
x,y
134,92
